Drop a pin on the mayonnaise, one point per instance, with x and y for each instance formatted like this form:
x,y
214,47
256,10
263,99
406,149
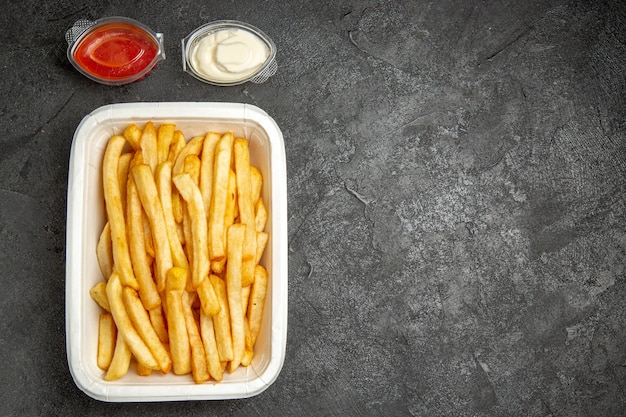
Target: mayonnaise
x,y
229,55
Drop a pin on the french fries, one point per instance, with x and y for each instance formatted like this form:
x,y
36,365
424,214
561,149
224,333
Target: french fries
x,y
132,134
193,147
104,251
142,262
182,288
200,259
177,326
146,188
207,332
206,166
217,266
234,271
148,145
107,335
199,368
246,209
221,321
125,326
221,172
164,186
140,318
165,136
115,211
256,302
99,295
121,360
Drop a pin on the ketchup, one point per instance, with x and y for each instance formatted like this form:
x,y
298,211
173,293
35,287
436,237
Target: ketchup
x,y
115,52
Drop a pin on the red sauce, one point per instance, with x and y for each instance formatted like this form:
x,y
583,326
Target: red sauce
x,y
116,51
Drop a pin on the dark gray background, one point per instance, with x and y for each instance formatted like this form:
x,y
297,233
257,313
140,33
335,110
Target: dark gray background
x,y
456,180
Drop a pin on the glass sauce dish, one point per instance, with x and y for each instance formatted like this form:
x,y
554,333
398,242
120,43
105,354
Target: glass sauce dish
x,y
114,50
229,52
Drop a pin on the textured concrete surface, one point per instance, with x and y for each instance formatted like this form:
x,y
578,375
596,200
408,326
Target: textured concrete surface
x,y
456,179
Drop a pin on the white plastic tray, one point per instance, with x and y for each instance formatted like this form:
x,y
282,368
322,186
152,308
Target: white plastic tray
x,y
86,218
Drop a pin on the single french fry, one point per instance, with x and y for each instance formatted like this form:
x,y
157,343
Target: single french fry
x,y
121,360
179,226
261,243
231,202
187,233
248,345
177,209
148,145
221,172
176,279
256,302
178,143
193,147
191,166
206,167
104,251
99,295
248,335
244,185
218,266
158,322
256,183
147,237
124,324
132,134
163,177
247,357
149,196
260,215
141,262
199,368
245,297
207,332
247,267
107,334
236,236
122,175
236,207
180,349
246,208
115,212
191,194
221,321
165,136
229,217
142,370
248,351
138,160
208,298
140,318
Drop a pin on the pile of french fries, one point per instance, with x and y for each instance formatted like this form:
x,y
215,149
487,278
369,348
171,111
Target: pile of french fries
x,y
182,287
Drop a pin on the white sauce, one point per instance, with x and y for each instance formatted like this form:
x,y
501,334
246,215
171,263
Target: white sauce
x,y
229,55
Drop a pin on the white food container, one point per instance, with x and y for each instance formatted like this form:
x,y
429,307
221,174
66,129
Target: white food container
x,y
86,218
